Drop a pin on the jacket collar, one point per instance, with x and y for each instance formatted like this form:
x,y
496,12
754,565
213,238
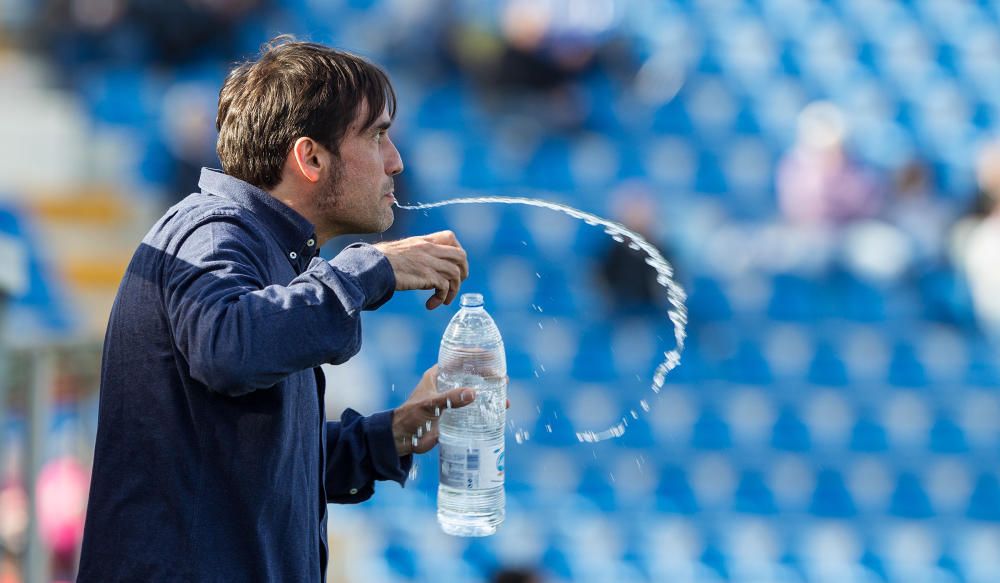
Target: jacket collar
x,y
295,233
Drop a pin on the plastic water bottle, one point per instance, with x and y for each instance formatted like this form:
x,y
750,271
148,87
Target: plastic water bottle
x,y
471,496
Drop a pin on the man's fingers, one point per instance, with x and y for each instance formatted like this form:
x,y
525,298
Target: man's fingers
x,y
456,256
448,247
455,398
443,238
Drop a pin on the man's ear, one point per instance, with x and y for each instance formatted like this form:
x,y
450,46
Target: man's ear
x,y
306,157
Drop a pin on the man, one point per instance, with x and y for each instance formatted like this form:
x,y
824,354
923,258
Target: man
x,y
213,459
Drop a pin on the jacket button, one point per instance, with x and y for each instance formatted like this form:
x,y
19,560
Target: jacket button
x,y
354,491
293,255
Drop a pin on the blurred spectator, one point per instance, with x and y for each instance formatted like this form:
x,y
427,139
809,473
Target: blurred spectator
x,y
628,281
818,182
916,209
540,53
143,31
908,236
979,247
519,575
62,501
188,127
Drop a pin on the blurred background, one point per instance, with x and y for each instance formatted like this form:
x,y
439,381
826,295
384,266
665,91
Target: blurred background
x,y
821,173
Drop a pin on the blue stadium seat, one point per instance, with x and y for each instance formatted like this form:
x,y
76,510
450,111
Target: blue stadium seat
x,y
753,496
595,484
707,301
710,431
982,370
638,433
480,554
512,236
831,498
554,292
984,504
905,368
947,436
554,561
793,299
674,494
553,427
868,435
401,558
477,171
444,107
855,299
909,500
790,432
827,367
711,179
594,361
550,168
713,558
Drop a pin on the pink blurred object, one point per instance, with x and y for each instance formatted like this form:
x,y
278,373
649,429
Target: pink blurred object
x,y
62,502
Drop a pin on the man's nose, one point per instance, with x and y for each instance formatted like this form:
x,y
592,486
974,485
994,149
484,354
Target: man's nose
x,y
393,161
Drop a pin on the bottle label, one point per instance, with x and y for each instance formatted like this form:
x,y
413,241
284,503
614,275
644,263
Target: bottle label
x,y
472,465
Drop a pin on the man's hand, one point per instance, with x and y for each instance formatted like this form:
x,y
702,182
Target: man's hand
x,y
436,261
418,416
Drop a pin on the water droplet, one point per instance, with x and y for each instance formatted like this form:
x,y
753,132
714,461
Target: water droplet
x,y
437,411
538,275
540,327
537,375
634,414
393,387
447,404
612,477
644,405
542,366
548,427
413,472
428,425
414,441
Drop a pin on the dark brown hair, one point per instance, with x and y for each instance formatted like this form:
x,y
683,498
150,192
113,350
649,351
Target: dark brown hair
x,y
295,89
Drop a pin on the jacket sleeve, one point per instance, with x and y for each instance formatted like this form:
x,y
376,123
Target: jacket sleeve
x,y
359,451
239,334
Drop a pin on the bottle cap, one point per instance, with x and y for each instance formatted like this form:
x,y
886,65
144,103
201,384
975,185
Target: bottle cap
x,y
472,300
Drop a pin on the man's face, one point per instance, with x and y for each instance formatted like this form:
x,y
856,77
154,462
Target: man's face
x,y
357,197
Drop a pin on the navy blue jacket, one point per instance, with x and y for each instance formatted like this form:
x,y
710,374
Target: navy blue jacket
x,y
214,461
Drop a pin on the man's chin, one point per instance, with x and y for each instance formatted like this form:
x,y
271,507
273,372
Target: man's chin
x,y
387,222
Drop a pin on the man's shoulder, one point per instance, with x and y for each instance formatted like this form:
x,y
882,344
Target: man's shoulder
x,y
198,209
